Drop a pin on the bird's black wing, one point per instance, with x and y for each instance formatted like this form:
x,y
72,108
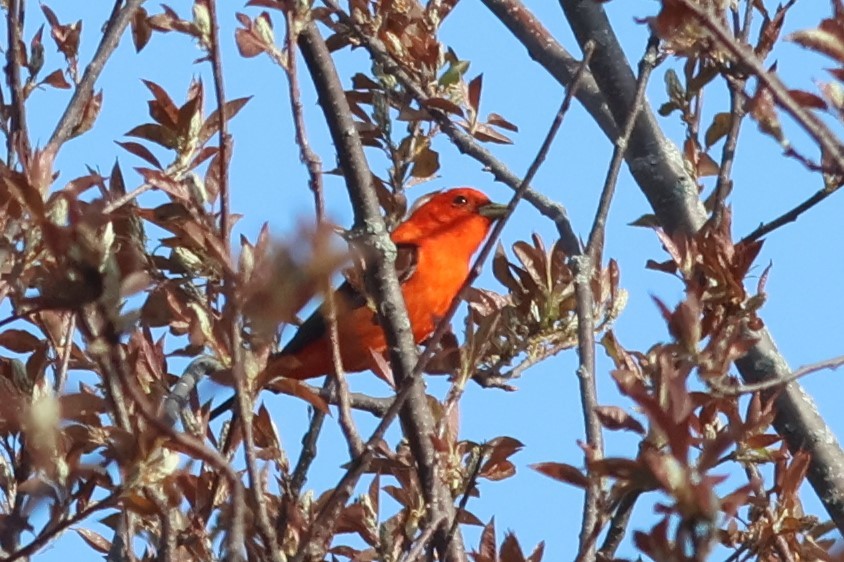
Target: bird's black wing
x,y
314,328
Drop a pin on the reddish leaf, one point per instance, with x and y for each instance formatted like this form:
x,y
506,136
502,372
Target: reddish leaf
x,y
94,540
155,133
808,99
562,472
511,551
56,79
141,30
296,388
18,341
162,108
499,121
615,418
475,87
141,151
443,105
212,124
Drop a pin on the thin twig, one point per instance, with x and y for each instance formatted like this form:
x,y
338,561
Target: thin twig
x,y
341,386
308,453
595,245
244,401
43,539
306,154
85,89
618,525
381,277
19,136
737,113
833,363
787,217
584,267
471,482
126,198
422,541
66,349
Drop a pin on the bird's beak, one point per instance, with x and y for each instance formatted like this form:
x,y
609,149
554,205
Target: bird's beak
x,y
493,210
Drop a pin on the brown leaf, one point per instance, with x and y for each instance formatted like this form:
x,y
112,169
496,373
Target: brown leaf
x,y
475,87
425,163
706,166
161,107
808,99
56,79
264,429
486,548
141,151
19,341
562,472
293,387
141,30
485,133
761,107
212,124
155,133
511,551
718,129
94,539
827,39
248,44
82,406
89,115
615,418
443,105
499,121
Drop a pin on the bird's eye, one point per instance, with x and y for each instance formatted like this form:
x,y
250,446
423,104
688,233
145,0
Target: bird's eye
x,y
460,200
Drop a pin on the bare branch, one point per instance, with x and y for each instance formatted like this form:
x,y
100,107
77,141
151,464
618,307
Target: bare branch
x,y
833,363
242,395
85,89
674,200
18,132
737,113
370,230
789,216
43,539
306,154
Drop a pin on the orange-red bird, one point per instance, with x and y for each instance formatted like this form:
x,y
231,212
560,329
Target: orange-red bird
x,y
435,246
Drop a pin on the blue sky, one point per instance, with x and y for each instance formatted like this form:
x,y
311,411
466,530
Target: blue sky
x,y
804,308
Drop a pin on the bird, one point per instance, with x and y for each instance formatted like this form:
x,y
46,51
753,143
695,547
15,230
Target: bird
x,y
434,245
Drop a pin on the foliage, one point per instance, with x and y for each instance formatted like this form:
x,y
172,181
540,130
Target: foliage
x,y
96,277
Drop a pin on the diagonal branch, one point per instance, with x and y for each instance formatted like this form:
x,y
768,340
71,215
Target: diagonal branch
x,y
85,89
18,132
370,229
678,208
232,309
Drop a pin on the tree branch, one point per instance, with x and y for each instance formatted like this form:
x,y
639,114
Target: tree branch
x,y
85,89
657,167
369,228
232,312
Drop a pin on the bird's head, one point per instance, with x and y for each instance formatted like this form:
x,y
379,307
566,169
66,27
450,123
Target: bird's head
x,y
461,210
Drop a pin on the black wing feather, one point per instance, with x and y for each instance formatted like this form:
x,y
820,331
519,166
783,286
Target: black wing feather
x,y
315,327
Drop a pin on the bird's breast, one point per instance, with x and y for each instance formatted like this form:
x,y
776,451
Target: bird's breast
x,y
438,278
